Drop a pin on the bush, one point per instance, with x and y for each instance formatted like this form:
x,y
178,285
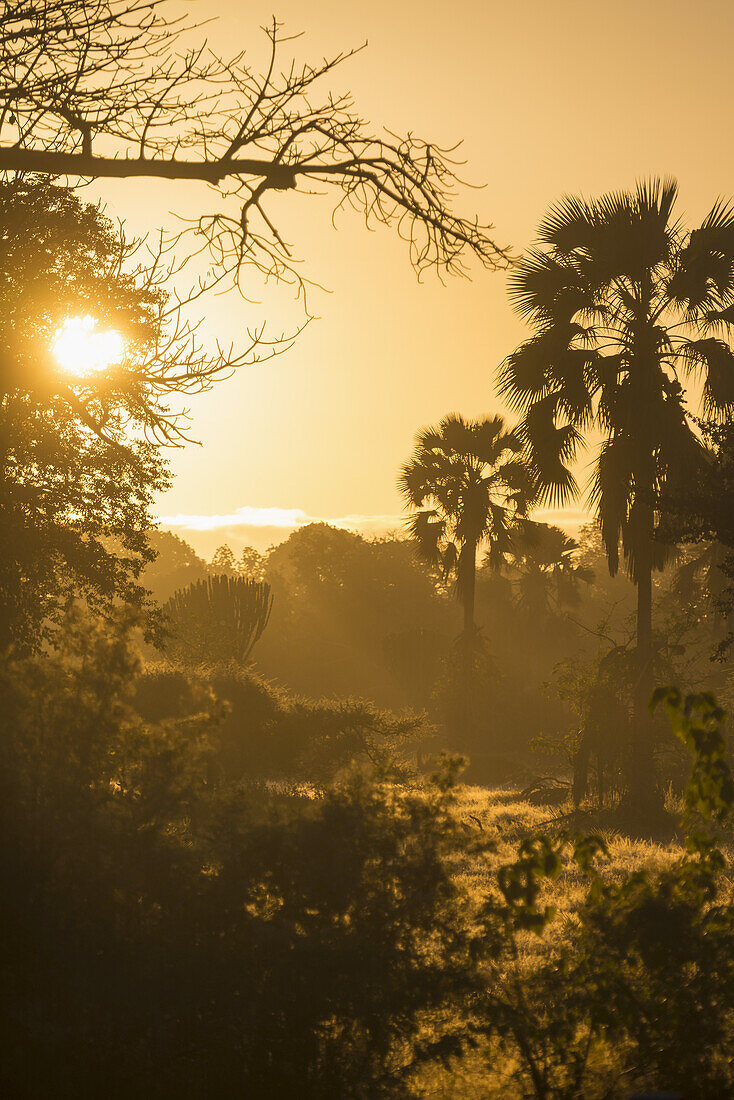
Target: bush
x,y
642,992
168,935
265,734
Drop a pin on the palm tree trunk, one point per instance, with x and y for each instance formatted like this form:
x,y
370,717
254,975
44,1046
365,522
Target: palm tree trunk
x,y
642,778
469,593
469,580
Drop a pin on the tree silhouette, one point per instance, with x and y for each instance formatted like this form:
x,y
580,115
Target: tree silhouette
x,y
548,574
625,302
61,257
223,561
77,473
114,88
250,563
468,486
219,618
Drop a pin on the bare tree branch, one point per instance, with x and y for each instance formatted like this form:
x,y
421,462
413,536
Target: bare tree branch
x,y
111,89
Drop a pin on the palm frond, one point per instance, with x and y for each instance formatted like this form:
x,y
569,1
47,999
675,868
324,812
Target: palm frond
x,y
544,288
610,492
523,375
413,484
715,360
549,448
568,225
426,529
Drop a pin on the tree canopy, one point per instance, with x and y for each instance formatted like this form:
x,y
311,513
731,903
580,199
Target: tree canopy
x,y
77,472
467,484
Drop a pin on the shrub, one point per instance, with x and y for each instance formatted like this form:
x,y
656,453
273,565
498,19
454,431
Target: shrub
x,y
169,936
265,734
642,992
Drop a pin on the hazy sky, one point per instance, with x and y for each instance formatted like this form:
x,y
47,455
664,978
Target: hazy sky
x,y
548,98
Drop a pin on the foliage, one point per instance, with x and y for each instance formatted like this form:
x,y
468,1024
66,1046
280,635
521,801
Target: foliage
x,y
702,513
623,1000
219,618
171,935
623,301
337,597
467,487
174,566
547,573
264,733
251,564
625,305
74,505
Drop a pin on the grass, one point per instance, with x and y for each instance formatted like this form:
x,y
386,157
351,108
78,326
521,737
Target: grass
x,y
504,817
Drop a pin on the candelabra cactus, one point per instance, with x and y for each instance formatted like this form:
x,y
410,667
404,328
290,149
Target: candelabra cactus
x,y
219,618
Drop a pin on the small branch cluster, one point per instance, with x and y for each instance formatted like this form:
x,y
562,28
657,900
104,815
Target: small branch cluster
x,y
169,360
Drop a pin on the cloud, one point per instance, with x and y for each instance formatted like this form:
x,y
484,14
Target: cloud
x,y
570,520
241,517
261,527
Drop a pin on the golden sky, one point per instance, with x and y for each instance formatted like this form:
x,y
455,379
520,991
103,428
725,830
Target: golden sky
x,y
548,98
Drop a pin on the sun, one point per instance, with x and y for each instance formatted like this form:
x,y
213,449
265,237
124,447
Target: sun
x,y
81,349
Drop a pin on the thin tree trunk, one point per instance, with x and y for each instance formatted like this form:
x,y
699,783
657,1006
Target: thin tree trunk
x,y
470,583
642,779
468,637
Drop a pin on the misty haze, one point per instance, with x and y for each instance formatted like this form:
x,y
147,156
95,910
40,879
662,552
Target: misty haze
x,y
366,551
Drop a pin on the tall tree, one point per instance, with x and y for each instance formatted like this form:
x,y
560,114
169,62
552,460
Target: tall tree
x,y
468,485
625,304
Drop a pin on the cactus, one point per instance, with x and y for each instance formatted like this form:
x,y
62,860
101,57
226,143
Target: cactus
x,y
219,618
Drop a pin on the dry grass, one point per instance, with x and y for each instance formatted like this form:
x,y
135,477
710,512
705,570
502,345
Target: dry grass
x,y
503,817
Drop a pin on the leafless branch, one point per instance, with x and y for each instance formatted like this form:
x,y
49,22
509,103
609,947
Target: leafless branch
x,y
111,89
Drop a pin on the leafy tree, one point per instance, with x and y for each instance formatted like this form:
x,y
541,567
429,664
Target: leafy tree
x,y
77,473
264,733
625,303
175,566
619,1004
468,487
170,935
223,562
250,565
61,258
338,596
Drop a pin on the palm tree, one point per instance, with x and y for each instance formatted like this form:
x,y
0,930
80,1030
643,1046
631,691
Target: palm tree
x,y
625,304
467,485
548,575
